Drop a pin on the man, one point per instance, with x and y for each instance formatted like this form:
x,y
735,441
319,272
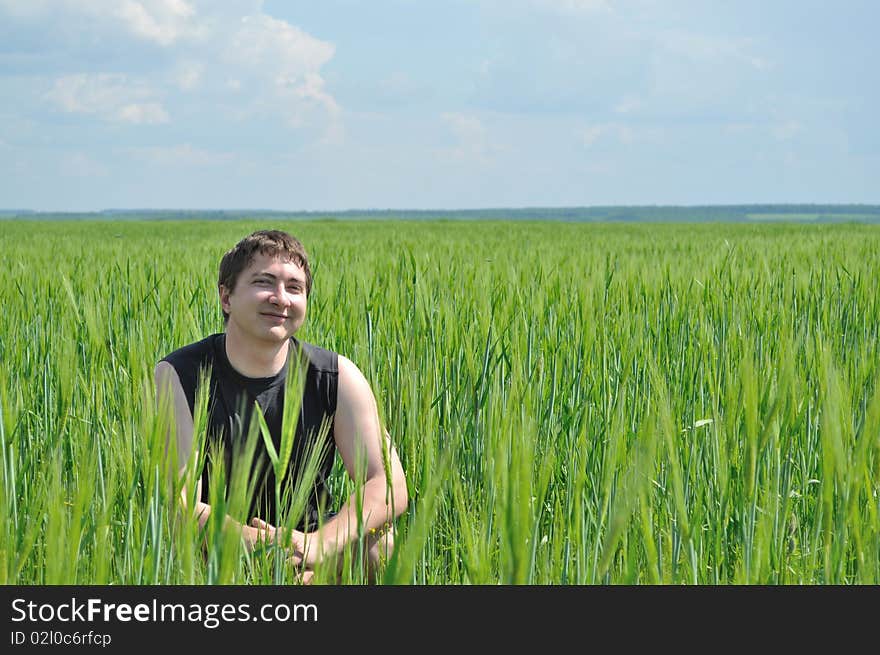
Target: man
x,y
264,284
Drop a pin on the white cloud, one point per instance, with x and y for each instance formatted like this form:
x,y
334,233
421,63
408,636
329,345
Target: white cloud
x,y
702,47
472,141
143,114
280,58
112,97
265,41
230,57
188,74
161,21
617,133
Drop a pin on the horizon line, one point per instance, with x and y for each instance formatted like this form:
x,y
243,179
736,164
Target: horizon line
x,y
110,210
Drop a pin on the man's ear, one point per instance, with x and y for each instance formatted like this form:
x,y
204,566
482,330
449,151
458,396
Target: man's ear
x,y
224,297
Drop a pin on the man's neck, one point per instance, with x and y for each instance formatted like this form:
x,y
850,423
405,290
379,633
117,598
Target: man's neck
x,y
255,359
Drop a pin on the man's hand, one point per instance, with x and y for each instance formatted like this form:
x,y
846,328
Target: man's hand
x,y
293,540
255,537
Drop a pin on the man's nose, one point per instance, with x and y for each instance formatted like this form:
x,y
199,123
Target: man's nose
x,y
281,297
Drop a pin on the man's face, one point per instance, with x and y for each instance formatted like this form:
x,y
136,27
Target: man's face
x,y
268,302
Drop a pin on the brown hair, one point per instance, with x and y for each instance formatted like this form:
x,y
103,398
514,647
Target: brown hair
x,y
273,243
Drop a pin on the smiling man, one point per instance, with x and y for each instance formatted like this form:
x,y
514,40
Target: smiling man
x,y
264,286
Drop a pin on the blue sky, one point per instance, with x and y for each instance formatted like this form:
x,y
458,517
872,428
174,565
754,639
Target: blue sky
x,y
339,104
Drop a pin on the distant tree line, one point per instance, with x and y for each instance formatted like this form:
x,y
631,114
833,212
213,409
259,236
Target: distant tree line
x,y
641,213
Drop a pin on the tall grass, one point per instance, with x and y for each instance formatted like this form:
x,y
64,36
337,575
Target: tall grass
x,y
573,404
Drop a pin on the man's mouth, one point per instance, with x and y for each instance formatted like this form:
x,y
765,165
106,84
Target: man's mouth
x,y
275,315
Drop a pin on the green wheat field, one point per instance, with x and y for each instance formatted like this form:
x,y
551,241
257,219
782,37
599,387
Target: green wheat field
x,y
572,403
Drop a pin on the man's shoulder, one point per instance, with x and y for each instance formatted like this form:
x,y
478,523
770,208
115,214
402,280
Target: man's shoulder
x,y
319,358
189,362
193,355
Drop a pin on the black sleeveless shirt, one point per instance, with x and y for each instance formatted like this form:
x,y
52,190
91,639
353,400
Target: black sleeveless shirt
x,y
230,408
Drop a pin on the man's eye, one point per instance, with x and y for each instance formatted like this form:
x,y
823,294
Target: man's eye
x,y
294,289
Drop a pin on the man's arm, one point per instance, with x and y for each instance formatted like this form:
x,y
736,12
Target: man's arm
x,y
167,382
360,440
